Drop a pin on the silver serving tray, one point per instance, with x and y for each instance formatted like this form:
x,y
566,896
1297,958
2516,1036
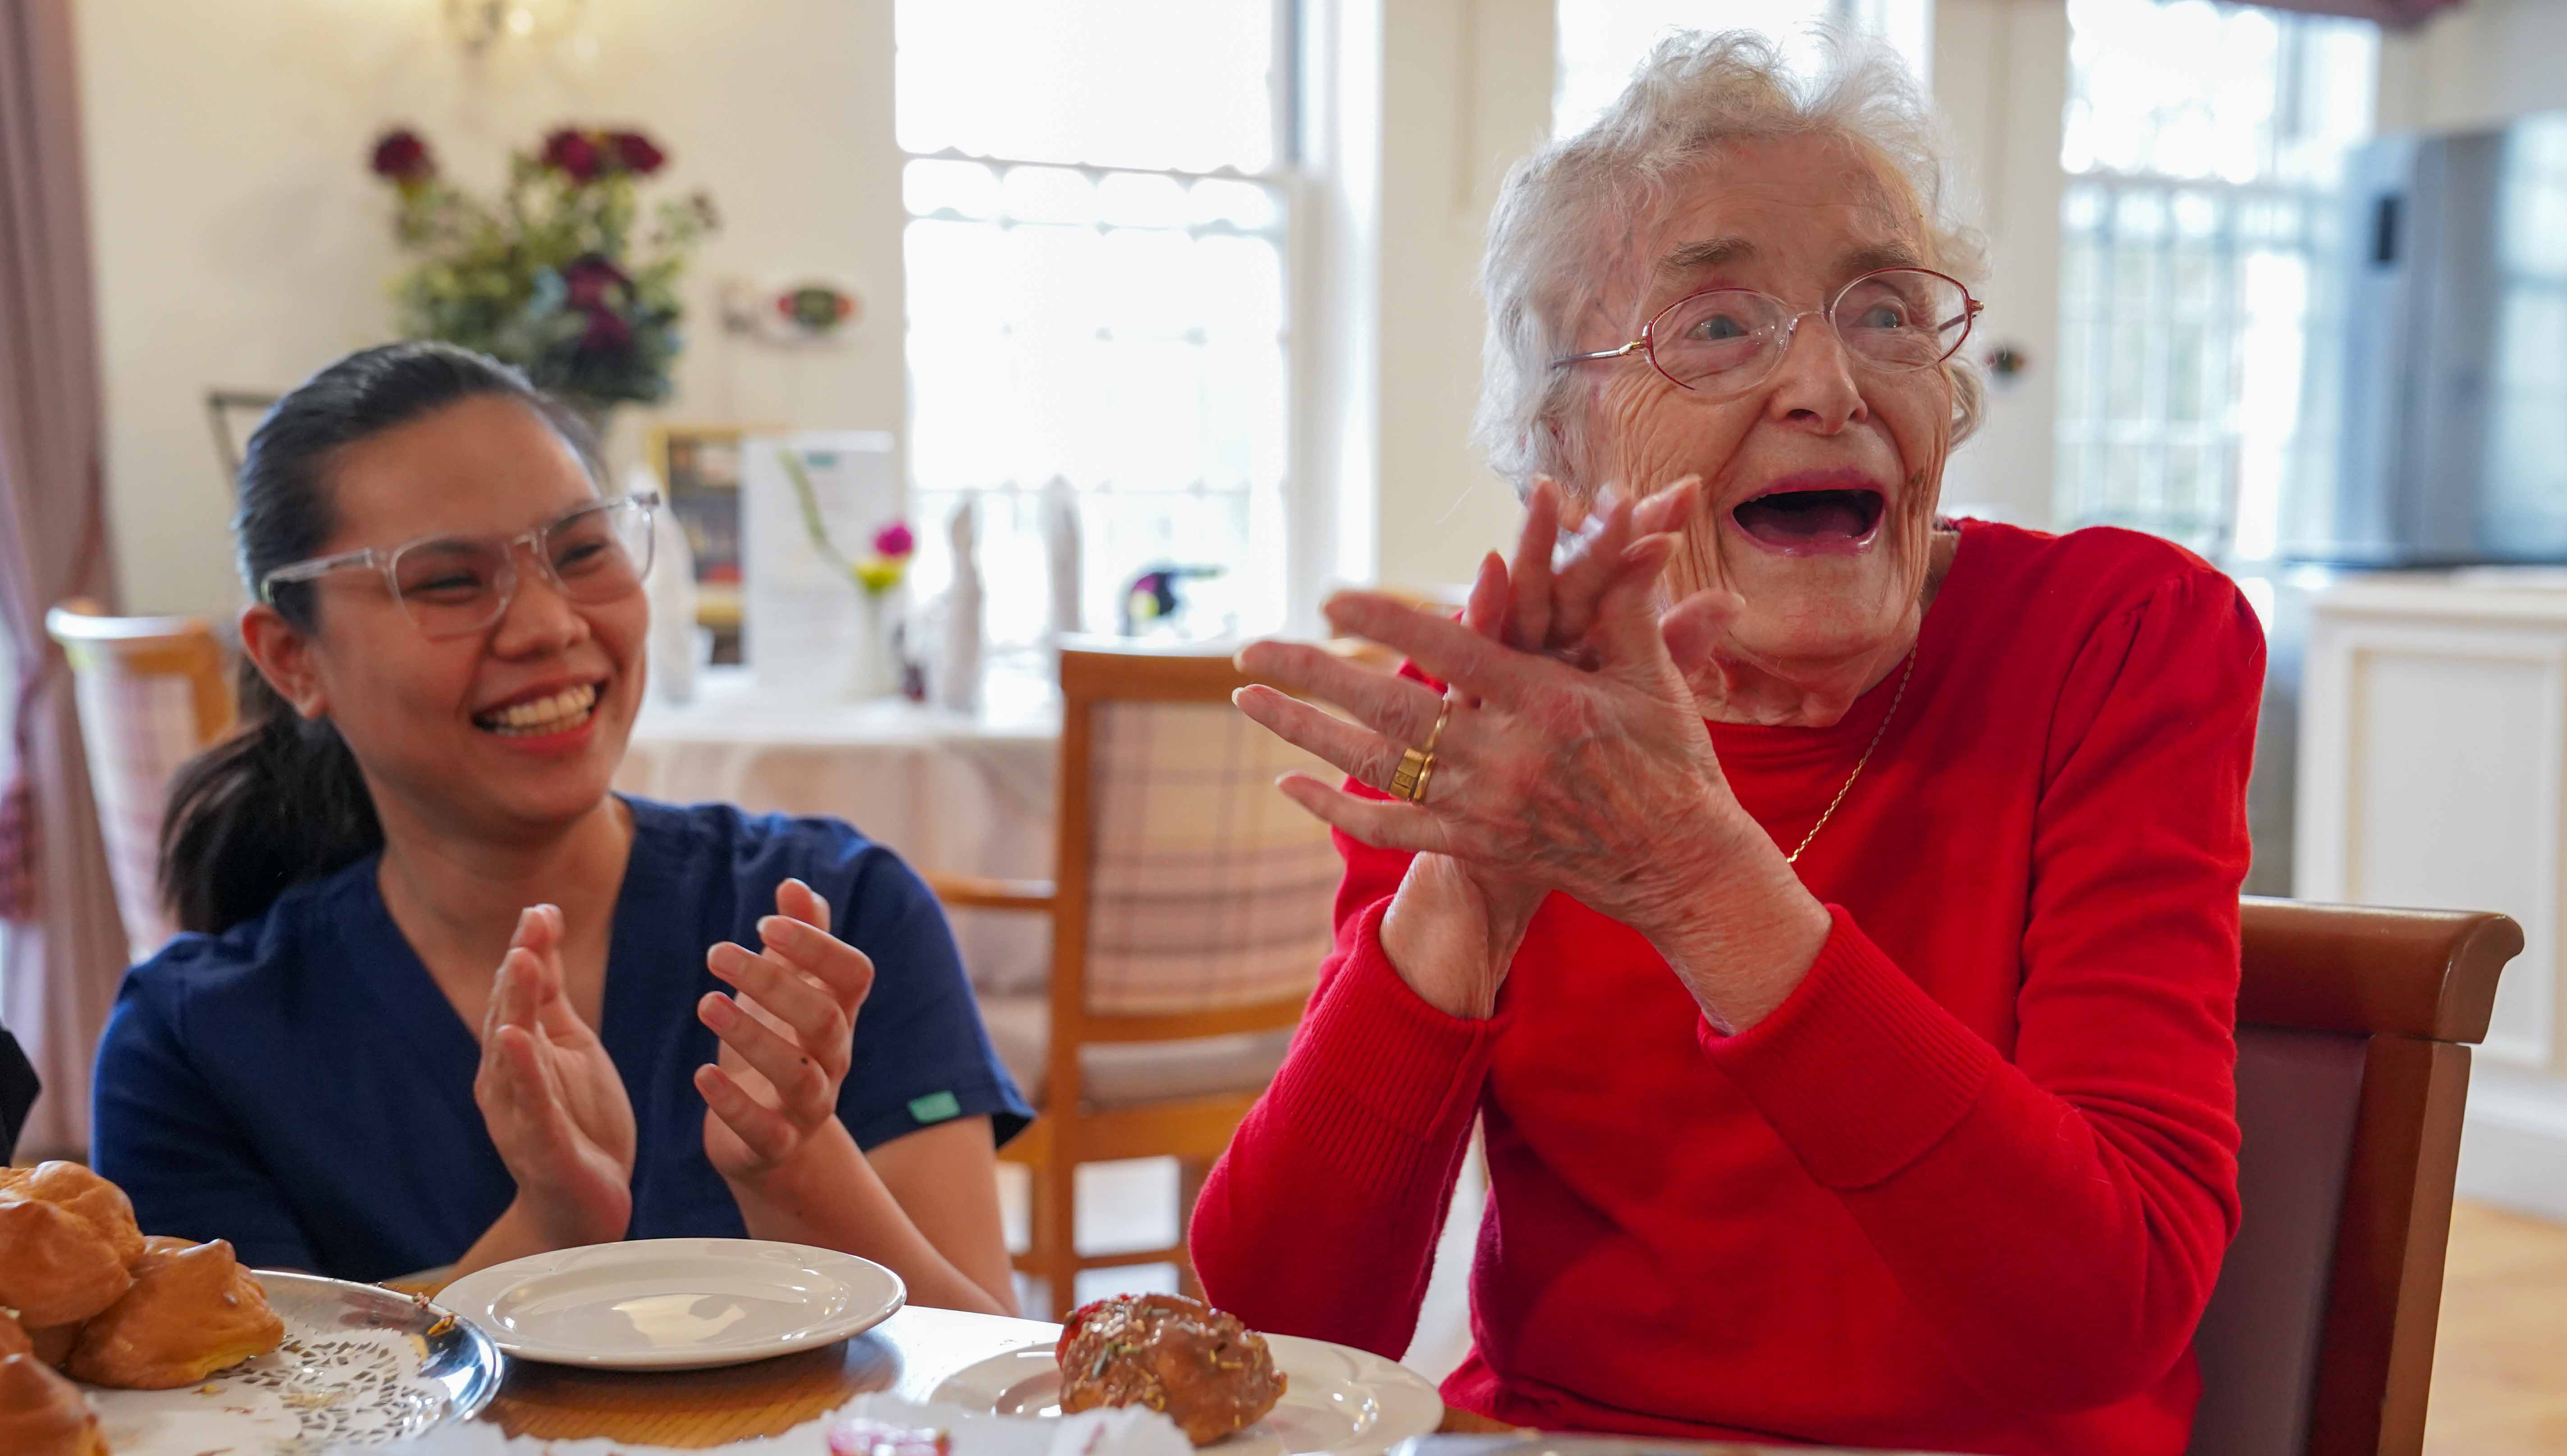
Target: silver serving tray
x,y
361,1366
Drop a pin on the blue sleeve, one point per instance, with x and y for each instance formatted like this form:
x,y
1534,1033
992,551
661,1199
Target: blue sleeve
x,y
159,1132
921,1055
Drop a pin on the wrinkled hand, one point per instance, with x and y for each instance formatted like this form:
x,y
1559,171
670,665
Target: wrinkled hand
x,y
786,1038
550,1096
1592,776
1455,926
1547,599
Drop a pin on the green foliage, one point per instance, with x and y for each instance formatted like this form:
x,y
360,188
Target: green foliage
x,y
557,275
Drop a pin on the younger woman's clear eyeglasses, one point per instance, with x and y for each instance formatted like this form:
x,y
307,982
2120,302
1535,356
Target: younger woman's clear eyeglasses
x,y
1727,341
454,586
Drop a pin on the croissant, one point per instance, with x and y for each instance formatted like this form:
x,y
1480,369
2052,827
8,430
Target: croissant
x,y
56,1268
81,1191
42,1415
12,1336
192,1310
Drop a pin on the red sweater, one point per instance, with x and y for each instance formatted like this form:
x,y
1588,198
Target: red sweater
x,y
1967,1188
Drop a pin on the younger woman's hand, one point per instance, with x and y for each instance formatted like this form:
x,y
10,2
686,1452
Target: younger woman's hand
x,y
786,1036
551,1099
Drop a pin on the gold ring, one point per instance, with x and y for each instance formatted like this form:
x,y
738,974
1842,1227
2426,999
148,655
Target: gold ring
x,y
1417,765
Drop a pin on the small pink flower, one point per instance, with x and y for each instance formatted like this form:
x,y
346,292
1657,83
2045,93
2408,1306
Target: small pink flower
x,y
895,541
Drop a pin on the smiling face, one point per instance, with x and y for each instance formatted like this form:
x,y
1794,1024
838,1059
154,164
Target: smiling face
x,y
515,727
1820,482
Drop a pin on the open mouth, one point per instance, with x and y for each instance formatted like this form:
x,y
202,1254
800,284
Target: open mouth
x,y
554,712
1804,520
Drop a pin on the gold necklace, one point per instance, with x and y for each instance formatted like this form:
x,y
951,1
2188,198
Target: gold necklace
x,y
1830,811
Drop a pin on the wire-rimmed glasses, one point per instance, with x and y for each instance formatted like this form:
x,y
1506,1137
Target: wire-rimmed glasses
x,y
1725,340
454,586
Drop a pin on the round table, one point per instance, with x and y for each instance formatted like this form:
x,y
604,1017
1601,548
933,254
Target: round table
x,y
951,792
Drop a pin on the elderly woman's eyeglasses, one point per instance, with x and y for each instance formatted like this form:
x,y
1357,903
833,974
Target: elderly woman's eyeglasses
x,y
1725,340
454,586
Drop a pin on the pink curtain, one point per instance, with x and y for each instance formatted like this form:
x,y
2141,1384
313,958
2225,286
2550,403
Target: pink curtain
x,y
66,944
2395,13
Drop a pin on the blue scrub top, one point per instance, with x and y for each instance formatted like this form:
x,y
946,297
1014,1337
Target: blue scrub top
x,y
299,1087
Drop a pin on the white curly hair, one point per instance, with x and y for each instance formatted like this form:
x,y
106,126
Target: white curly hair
x,y
1569,214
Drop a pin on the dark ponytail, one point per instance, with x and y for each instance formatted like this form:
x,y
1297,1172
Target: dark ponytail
x,y
282,801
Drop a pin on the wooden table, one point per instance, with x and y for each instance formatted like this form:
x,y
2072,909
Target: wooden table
x,y
909,1355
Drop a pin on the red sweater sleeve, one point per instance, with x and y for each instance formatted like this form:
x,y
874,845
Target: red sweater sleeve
x,y
2061,1217
1321,1218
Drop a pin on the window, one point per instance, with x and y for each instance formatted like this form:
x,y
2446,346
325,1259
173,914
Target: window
x,y
2203,145
1096,291
1601,40
2526,469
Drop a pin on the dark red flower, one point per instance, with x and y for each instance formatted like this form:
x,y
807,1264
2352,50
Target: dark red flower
x,y
400,156
635,153
895,541
606,332
573,152
591,281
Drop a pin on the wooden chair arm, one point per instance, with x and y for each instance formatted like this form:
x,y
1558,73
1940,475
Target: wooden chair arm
x,y
2371,972
981,892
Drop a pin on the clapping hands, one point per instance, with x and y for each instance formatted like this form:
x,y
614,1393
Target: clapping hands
x,y
551,1099
787,1034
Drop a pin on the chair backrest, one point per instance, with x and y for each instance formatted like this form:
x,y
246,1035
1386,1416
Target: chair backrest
x,y
153,694
234,415
2353,1067
1194,899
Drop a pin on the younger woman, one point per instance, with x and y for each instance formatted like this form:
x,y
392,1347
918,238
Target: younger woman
x,y
453,1001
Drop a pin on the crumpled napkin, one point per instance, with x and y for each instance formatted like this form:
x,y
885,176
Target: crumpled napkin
x,y
1131,1431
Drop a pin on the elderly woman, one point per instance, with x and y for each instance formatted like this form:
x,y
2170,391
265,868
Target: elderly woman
x,y
1828,910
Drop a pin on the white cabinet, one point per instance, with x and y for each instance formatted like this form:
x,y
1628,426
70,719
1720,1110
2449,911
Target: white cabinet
x,y
2433,773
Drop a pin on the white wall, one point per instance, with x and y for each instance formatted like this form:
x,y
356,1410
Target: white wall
x,y
1467,91
2000,82
242,242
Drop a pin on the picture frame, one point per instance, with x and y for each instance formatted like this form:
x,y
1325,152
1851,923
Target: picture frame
x,y
698,465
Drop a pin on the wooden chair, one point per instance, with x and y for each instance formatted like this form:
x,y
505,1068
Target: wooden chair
x,y
1190,911
153,694
2352,1065
234,414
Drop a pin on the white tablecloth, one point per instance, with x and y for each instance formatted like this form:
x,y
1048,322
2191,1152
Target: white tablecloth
x,y
957,793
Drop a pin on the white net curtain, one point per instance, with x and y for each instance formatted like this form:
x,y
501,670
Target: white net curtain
x,y
1096,292
2203,146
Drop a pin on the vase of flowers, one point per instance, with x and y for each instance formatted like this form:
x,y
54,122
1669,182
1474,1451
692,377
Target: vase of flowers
x,y
874,669
879,670
560,274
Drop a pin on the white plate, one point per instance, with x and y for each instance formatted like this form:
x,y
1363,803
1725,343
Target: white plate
x,y
675,1304
1347,1402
